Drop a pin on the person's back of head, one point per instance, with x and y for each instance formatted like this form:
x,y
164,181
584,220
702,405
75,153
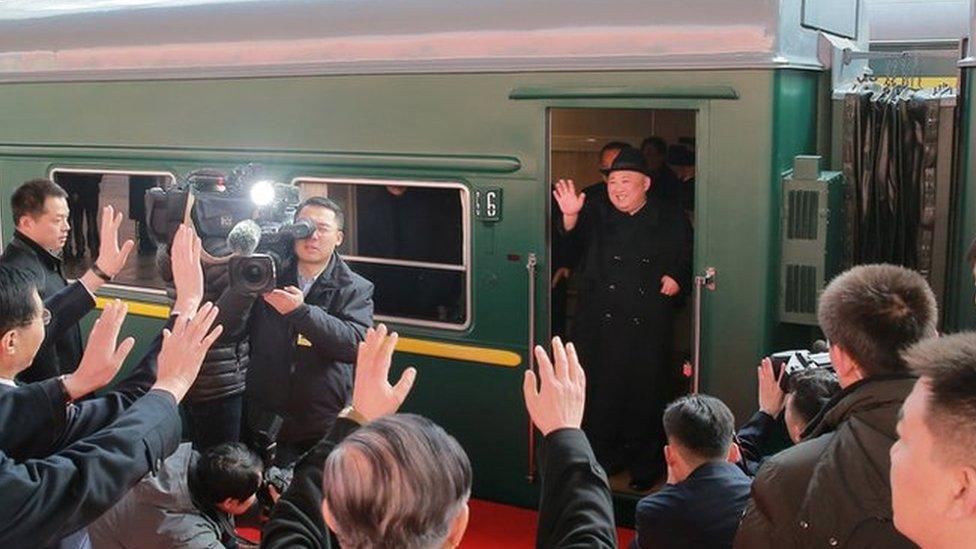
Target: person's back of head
x,y
400,481
699,429
808,392
933,463
870,314
227,476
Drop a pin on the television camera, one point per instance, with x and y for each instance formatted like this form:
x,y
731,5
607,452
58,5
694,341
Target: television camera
x,y
797,360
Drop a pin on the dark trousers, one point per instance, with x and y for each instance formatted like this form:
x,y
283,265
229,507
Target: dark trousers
x,y
84,221
215,421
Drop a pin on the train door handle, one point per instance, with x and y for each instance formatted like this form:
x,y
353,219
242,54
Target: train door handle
x,y
704,281
531,266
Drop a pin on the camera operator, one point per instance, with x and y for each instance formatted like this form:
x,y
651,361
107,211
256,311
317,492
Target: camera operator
x,y
190,501
807,392
46,498
833,489
303,338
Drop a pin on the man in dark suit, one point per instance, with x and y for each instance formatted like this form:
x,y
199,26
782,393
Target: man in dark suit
x,y
57,494
304,336
702,502
40,211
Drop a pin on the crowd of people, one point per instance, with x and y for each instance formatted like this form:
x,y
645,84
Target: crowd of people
x,y
879,451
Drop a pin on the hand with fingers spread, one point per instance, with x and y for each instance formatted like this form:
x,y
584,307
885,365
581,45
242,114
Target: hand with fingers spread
x,y
569,202
285,300
372,394
183,350
771,395
558,401
187,270
102,359
111,256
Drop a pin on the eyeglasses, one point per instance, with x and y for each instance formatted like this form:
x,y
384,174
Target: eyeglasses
x,y
46,316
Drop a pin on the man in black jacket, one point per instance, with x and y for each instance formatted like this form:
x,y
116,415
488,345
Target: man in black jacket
x,y
303,337
45,499
702,502
40,212
833,489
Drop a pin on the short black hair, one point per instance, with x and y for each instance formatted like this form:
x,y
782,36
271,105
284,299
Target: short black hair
x,y
613,146
873,312
700,423
811,390
327,203
228,470
17,306
29,198
948,365
657,143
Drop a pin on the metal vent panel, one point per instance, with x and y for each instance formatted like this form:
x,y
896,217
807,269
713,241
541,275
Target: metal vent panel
x,y
801,289
802,220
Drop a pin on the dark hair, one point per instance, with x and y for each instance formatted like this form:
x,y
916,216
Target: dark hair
x,y
659,144
873,312
228,470
327,203
703,424
29,198
398,481
948,365
811,389
17,306
613,146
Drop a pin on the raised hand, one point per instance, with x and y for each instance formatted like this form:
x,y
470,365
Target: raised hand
x,y
569,202
771,396
111,257
102,359
559,400
187,270
372,394
183,350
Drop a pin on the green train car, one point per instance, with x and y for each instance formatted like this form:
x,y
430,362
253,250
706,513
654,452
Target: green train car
x,y
483,104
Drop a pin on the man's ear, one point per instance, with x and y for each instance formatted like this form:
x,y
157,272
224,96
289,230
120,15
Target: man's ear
x,y
647,182
964,500
735,453
844,364
669,456
329,520
458,526
8,342
339,236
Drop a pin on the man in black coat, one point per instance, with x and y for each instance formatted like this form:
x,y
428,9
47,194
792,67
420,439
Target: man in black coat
x,y
304,337
40,211
46,498
633,268
833,488
702,503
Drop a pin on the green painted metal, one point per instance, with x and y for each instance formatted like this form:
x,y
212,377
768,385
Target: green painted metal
x,y
625,92
462,128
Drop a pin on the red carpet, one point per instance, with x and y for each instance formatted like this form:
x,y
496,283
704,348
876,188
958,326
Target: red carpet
x,y
492,525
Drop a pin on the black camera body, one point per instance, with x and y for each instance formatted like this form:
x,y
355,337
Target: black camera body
x,y
252,275
798,360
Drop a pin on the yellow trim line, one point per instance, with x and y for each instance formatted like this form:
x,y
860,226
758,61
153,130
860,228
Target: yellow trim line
x,y
437,349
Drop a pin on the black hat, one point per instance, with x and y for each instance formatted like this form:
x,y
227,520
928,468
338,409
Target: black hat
x,y
628,159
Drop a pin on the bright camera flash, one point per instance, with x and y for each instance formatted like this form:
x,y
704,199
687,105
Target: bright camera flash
x,y
262,193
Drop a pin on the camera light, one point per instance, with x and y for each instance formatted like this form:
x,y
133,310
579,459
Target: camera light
x,y
262,193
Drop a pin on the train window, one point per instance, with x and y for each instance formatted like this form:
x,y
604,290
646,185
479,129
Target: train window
x,y
411,240
91,189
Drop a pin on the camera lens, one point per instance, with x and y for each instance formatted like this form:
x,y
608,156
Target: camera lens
x,y
254,273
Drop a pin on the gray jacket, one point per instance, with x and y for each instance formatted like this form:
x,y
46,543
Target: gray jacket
x,y
158,513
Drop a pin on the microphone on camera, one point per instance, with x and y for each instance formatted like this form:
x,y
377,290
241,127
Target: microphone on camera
x,y
820,346
244,238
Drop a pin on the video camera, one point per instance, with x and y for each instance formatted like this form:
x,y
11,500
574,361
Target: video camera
x,y
799,360
244,220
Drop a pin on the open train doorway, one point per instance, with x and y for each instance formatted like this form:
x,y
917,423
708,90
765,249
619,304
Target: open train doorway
x,y
620,273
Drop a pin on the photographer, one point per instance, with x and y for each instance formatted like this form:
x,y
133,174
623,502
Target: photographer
x,y
808,391
303,338
833,489
190,501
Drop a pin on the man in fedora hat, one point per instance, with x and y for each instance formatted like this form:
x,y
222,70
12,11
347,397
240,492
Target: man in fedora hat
x,y
634,265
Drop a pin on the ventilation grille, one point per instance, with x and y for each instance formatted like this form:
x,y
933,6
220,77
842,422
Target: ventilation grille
x,y
801,222
801,289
